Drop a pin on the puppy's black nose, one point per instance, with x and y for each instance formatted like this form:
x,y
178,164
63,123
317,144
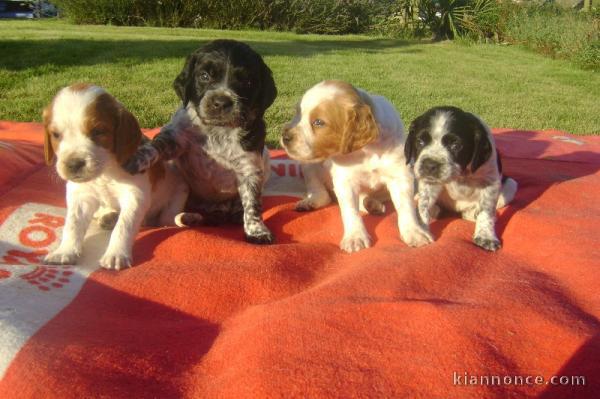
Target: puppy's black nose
x,y
286,137
74,165
222,103
430,167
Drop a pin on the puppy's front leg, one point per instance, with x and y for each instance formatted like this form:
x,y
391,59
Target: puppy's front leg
x,y
250,183
401,190
167,144
355,235
428,195
485,234
133,203
80,210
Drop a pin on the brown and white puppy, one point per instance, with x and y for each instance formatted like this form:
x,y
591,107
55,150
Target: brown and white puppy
x,y
90,134
352,143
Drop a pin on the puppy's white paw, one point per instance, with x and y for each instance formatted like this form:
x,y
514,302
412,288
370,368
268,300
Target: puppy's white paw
x,y
261,237
258,233
117,260
416,236
355,242
62,257
488,243
188,219
314,200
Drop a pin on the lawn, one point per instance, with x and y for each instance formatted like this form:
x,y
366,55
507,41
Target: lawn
x,y
508,86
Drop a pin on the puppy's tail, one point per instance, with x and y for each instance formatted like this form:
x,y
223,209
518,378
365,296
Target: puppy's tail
x,y
507,193
189,219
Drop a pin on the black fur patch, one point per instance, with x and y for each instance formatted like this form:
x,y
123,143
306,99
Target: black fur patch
x,y
465,138
231,65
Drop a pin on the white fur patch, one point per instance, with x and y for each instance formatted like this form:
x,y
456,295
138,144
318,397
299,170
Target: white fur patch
x,y
438,125
436,150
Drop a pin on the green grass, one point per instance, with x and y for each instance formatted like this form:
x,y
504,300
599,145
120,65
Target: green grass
x,y
508,86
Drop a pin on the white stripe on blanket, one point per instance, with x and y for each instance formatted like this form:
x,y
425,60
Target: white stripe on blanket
x,y
32,293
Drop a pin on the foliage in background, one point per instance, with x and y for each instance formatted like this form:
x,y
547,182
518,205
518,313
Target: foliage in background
x,y
398,18
314,16
441,17
484,19
558,33
554,31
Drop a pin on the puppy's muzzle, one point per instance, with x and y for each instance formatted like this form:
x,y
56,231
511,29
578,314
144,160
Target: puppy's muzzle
x,y
220,104
75,165
430,168
287,137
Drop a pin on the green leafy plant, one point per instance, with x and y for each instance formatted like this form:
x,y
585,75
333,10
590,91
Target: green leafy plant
x,y
441,16
479,19
399,18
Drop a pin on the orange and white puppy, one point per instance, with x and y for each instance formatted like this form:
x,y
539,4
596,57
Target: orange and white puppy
x,y
91,134
352,143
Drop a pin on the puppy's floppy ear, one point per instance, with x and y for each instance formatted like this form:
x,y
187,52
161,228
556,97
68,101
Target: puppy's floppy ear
x,y
409,145
48,148
127,136
482,146
269,90
360,128
184,81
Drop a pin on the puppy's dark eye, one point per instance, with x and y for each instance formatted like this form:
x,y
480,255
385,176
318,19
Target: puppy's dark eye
x,y
204,76
98,133
421,142
318,123
455,147
56,135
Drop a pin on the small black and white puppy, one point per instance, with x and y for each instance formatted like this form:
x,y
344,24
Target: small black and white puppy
x,y
457,167
217,136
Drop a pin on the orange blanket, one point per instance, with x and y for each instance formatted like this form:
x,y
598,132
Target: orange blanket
x,y
204,314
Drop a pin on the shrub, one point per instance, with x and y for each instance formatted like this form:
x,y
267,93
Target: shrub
x,y
558,33
441,16
97,12
473,20
480,20
330,16
398,18
314,16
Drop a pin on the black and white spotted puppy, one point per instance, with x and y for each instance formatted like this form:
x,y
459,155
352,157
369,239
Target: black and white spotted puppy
x,y
217,136
458,168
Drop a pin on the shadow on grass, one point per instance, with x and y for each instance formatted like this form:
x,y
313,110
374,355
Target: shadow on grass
x,y
24,54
